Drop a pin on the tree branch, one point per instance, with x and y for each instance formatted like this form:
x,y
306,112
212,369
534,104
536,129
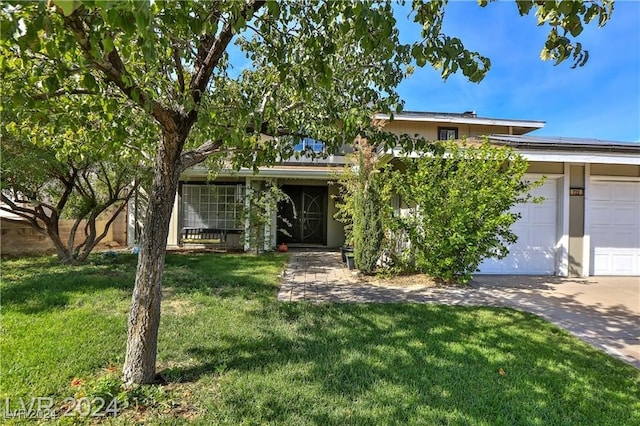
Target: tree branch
x,y
63,92
198,155
216,50
179,69
114,70
30,215
68,189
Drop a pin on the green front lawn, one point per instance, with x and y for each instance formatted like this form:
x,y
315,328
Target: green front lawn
x,y
231,354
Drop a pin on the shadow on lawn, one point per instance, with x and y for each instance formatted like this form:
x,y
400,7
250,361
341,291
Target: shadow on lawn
x,y
43,284
402,363
223,275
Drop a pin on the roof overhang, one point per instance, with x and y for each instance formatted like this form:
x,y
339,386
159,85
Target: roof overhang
x,y
529,125
562,143
574,150
282,172
586,151
577,157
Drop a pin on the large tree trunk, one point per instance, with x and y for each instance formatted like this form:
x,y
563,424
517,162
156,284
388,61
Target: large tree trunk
x,y
52,227
144,315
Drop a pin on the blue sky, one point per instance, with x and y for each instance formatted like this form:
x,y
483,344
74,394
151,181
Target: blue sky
x,y
600,100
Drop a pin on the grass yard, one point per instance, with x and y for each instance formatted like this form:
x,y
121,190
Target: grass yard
x,y
231,354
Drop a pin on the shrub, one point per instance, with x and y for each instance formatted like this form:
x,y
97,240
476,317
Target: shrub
x,y
360,206
459,199
367,228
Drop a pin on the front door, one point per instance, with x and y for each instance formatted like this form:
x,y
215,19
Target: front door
x,y
308,225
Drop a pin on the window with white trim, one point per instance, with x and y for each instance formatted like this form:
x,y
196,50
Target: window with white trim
x,y
447,133
212,206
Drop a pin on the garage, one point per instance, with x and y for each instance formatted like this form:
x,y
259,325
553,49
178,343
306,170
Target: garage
x,y
535,251
614,227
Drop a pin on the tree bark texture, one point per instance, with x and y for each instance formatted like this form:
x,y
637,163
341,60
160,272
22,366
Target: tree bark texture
x,y
144,315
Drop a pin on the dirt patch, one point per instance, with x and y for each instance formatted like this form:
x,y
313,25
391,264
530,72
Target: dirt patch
x,y
174,305
410,280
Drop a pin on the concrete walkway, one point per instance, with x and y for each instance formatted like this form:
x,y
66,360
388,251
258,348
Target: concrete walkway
x,y
602,311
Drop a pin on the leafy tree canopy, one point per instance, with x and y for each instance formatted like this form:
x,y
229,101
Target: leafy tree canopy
x,y
315,68
311,64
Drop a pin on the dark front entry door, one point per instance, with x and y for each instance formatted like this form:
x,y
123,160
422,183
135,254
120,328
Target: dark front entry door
x,y
309,223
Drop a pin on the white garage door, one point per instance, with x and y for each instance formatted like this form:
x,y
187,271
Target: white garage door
x,y
614,226
534,252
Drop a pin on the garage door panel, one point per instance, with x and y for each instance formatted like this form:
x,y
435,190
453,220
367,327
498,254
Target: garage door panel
x,y
541,237
615,228
519,209
600,192
600,215
545,214
626,215
534,252
625,191
623,240
624,262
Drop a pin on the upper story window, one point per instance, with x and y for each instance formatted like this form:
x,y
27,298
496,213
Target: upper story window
x,y
309,144
447,133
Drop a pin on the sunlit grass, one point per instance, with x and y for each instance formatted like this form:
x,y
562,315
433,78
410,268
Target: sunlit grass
x,y
231,354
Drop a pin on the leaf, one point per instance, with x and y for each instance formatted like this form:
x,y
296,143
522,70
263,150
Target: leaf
x,y
67,6
89,82
107,43
524,6
502,372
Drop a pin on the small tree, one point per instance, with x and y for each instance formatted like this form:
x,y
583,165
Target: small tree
x,y
59,169
359,206
460,198
260,204
367,227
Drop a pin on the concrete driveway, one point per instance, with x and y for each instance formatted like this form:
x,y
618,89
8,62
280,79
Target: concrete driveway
x,y
602,311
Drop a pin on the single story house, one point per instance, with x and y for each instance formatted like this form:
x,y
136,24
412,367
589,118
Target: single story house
x,y
589,223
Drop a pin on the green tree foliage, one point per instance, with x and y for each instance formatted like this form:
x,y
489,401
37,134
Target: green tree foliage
x,y
367,227
260,204
57,168
317,68
459,199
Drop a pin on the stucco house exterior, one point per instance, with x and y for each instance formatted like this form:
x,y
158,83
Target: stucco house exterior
x,y
589,223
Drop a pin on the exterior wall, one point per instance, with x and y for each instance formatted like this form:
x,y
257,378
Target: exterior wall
x,y
576,222
335,229
174,223
20,238
429,130
626,170
543,168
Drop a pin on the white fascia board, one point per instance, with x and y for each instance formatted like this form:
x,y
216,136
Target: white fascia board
x,y
558,156
577,157
465,120
308,173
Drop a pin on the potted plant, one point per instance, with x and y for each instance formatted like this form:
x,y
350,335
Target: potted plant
x,y
350,260
344,250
